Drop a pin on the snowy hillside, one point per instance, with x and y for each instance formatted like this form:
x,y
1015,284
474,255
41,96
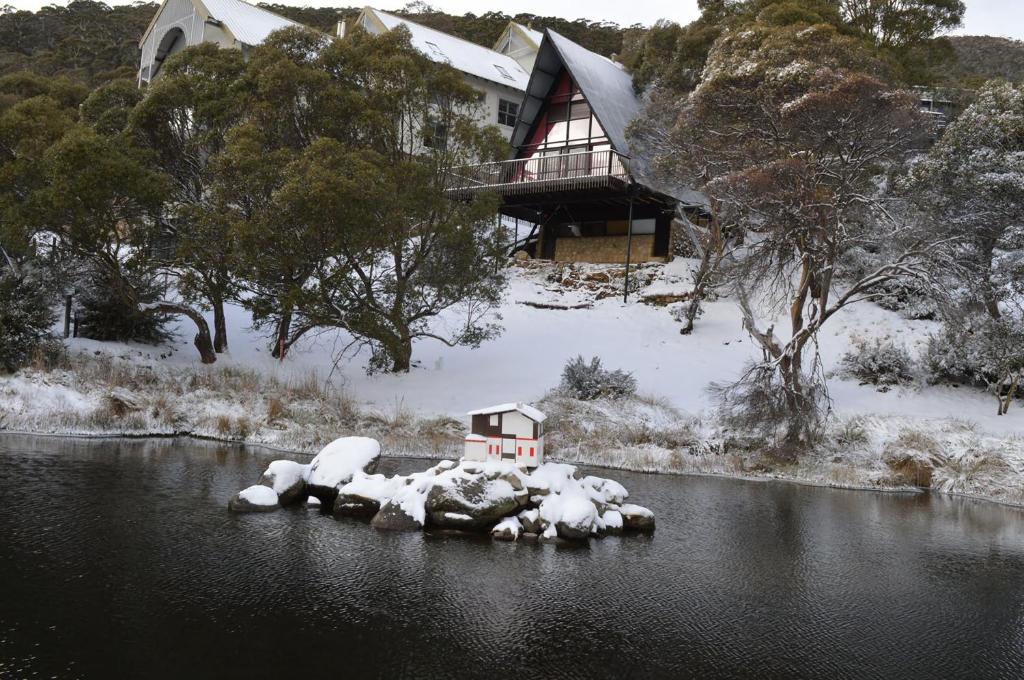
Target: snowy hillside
x,y
550,314
527,359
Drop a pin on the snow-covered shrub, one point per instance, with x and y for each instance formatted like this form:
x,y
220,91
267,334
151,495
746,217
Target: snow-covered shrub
x,y
881,362
911,298
982,353
26,317
759,410
588,381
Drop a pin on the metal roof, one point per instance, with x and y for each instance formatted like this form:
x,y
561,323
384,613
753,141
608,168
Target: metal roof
x,y
463,55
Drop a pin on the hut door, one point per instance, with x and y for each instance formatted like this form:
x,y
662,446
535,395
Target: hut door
x,y
508,448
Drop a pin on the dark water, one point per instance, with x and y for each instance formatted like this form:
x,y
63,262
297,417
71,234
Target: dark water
x,y
118,559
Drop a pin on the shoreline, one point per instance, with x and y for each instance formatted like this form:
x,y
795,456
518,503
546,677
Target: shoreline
x,y
762,479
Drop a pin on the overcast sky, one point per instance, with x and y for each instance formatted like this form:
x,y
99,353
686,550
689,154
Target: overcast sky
x,y
984,17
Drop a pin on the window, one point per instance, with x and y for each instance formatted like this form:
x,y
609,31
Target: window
x,y
493,422
508,112
501,69
435,133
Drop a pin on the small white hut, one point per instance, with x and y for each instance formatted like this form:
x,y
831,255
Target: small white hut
x,y
512,432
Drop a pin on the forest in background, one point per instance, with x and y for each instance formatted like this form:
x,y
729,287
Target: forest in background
x,y
93,43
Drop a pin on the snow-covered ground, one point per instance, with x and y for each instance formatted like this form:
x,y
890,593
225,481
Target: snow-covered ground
x,y
550,314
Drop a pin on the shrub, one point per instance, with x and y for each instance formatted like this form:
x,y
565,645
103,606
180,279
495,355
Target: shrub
x,y
106,312
881,362
26,317
592,381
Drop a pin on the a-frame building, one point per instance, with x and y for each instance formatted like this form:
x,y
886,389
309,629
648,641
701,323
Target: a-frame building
x,y
572,176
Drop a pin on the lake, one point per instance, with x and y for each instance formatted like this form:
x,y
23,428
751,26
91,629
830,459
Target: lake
x,y
119,559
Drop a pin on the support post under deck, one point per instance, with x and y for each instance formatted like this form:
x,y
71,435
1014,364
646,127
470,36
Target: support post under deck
x,y
629,248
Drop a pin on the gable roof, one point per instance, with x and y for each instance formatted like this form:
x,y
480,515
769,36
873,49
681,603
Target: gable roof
x,y
527,33
527,410
246,23
461,54
606,85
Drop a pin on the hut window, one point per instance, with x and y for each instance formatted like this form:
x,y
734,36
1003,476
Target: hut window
x,y
493,420
520,453
531,452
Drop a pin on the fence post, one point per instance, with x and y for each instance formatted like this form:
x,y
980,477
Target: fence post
x,y
629,246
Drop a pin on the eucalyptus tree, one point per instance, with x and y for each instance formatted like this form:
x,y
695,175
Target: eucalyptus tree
x,y
788,134
183,121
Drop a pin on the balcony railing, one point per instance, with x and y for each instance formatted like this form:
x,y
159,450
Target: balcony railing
x,y
562,172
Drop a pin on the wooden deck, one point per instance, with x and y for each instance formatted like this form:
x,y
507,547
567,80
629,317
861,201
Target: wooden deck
x,y
585,170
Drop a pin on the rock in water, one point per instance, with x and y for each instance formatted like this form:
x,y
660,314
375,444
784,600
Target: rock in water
x,y
392,517
256,498
612,520
337,462
472,502
507,529
636,518
530,519
570,513
288,479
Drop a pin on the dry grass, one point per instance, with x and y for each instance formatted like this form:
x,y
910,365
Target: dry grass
x,y
276,409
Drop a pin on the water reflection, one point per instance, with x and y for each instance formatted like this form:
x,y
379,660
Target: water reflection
x,y
119,558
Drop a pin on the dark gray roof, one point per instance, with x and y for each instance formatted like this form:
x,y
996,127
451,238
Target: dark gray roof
x,y
606,85
608,88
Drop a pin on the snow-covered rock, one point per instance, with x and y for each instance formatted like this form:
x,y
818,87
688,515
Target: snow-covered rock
x,y
364,495
612,521
393,517
637,517
257,498
605,491
530,521
287,478
338,462
475,495
571,512
507,529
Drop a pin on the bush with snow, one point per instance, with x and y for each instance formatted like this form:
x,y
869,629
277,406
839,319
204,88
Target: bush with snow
x,y
26,317
881,362
589,381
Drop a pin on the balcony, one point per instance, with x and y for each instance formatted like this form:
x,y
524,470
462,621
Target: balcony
x,y
544,174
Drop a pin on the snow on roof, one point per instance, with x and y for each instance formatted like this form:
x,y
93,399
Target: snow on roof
x,y
607,86
527,410
461,54
248,24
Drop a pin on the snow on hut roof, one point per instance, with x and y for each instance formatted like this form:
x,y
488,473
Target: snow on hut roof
x,y
527,410
461,54
247,23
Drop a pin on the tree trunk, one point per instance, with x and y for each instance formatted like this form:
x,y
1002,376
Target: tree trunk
x,y
280,349
220,327
1004,401
202,341
67,316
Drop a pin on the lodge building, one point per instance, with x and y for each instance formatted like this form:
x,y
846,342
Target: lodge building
x,y
572,185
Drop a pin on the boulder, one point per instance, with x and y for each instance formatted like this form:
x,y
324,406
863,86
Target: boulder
x,y
256,498
636,518
365,494
392,517
530,521
338,462
483,500
605,491
571,513
288,479
507,529
612,522
354,505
